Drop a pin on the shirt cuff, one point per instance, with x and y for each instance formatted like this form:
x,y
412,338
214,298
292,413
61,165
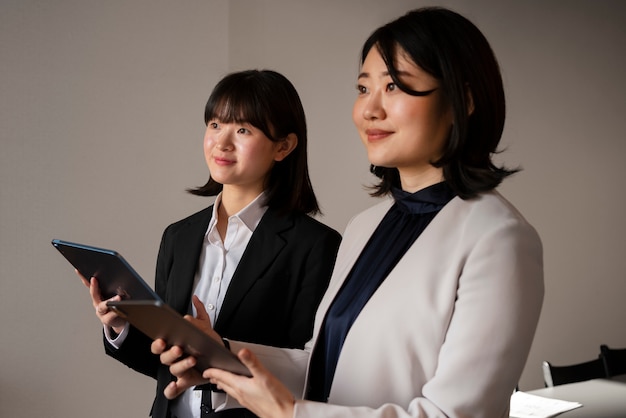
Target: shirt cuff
x,y
117,340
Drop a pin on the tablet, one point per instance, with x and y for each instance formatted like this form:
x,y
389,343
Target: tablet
x,y
158,320
115,276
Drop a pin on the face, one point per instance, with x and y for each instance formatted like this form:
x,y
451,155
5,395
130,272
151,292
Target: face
x,y
399,130
239,155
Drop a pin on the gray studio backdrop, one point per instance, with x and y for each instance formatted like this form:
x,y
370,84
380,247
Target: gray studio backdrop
x,y
101,124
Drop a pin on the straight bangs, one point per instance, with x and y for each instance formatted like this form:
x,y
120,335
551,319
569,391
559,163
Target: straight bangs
x,y
239,102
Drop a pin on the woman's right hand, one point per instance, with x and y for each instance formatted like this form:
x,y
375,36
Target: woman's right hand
x,y
262,393
180,366
106,315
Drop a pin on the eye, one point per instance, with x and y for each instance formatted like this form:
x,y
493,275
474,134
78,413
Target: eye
x,y
213,125
391,87
243,131
361,89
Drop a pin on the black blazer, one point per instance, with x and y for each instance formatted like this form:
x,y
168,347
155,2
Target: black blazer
x,y
272,297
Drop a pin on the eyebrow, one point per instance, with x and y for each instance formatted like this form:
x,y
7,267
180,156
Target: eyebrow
x,y
385,74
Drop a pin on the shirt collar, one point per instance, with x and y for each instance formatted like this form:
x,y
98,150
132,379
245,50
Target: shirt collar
x,y
429,199
250,215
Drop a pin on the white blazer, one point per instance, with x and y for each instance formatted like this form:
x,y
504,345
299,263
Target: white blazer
x,y
447,333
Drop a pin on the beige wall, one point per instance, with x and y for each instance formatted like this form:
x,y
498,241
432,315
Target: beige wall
x,y
100,129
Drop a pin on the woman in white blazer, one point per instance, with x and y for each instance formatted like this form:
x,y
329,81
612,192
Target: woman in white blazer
x,y
436,291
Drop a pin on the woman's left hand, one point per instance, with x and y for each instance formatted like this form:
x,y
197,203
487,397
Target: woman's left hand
x,y
262,393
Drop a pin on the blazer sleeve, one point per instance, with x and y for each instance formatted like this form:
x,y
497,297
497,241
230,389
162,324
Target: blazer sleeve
x,y
499,300
135,350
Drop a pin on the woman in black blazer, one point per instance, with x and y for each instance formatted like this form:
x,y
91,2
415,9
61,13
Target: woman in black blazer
x,y
255,257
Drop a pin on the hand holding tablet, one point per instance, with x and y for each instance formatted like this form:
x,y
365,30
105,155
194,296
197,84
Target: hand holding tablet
x,y
158,320
143,308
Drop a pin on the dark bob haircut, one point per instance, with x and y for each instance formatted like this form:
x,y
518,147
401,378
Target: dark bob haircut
x,y
454,51
269,102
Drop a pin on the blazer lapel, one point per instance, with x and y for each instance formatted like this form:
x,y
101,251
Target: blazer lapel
x,y
354,240
187,253
351,247
265,244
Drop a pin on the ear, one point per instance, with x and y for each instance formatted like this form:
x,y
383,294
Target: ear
x,y
285,146
470,100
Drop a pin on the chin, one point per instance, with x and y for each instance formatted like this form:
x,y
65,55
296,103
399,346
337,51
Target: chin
x,y
380,162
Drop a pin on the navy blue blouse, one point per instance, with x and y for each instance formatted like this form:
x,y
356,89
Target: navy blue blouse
x,y
398,230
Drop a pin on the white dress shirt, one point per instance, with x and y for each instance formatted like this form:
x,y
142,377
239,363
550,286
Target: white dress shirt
x,y
217,264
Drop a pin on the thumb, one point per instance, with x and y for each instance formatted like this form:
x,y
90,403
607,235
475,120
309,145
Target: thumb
x,y
201,312
251,361
94,290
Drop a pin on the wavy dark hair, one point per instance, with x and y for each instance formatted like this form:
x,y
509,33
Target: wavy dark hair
x,y
268,101
454,51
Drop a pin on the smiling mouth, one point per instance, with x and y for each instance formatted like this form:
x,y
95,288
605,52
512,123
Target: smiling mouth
x,y
223,161
376,134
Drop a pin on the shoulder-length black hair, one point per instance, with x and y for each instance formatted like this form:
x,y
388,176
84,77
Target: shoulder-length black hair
x,y
454,51
268,101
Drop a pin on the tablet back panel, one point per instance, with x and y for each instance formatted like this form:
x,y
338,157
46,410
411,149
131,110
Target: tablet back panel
x,y
115,276
158,320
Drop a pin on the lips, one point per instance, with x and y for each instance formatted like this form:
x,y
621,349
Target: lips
x,y
223,161
377,134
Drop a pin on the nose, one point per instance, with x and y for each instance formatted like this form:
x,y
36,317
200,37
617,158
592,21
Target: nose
x,y
224,141
373,107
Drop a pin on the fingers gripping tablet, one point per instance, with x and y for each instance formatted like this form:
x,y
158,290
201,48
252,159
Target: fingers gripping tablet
x,y
157,320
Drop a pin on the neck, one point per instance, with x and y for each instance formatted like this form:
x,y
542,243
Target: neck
x,y
412,181
234,199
